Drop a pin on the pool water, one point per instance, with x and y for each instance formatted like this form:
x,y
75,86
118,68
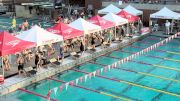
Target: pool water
x,y
129,81
6,23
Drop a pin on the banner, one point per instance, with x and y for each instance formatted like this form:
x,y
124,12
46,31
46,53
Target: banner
x,y
55,90
77,80
67,84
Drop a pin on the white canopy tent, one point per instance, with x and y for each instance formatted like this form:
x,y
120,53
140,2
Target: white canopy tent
x,y
85,26
130,9
109,9
177,17
165,13
116,19
39,36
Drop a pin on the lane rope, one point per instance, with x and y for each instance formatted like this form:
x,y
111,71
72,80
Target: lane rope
x,y
133,84
36,94
99,92
170,59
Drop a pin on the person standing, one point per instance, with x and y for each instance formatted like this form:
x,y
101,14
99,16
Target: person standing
x,y
61,53
14,22
82,46
25,24
20,62
167,25
6,63
172,26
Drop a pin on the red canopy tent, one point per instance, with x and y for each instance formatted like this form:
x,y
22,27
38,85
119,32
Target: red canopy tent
x,y
66,31
105,24
128,16
10,44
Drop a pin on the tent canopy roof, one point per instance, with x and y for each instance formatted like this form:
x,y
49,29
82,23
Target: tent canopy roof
x,y
10,44
105,24
128,16
116,19
85,26
39,36
109,9
164,13
66,31
130,9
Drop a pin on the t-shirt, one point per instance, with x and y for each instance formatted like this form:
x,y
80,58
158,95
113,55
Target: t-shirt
x,y
167,24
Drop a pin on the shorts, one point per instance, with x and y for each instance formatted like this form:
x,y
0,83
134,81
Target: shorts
x,y
20,67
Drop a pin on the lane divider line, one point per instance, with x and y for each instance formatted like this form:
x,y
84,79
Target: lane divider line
x,y
133,84
158,66
142,73
99,92
36,94
171,52
170,59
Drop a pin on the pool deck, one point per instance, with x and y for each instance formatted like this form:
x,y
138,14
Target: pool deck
x,y
13,83
162,34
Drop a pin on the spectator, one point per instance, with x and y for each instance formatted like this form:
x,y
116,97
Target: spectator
x,y
6,63
167,25
20,62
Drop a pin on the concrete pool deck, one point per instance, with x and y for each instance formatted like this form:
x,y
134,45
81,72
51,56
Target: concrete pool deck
x,y
15,82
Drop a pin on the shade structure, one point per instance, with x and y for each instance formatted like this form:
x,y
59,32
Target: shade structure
x,y
116,19
109,9
165,13
85,26
10,44
39,36
65,31
177,17
128,16
130,9
105,24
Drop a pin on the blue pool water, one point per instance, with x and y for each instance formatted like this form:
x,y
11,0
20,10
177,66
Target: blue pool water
x,y
135,81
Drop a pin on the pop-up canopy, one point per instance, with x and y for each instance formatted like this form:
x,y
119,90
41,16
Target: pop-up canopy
x,y
128,16
39,36
130,9
165,13
116,19
105,24
66,31
109,9
85,26
10,44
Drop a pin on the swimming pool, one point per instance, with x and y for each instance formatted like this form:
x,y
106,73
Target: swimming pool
x,y
5,22
154,76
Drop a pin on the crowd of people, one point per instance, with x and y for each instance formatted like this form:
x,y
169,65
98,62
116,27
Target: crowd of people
x,y
39,57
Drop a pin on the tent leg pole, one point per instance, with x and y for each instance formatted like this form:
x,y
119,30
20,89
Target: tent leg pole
x,y
2,65
115,33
